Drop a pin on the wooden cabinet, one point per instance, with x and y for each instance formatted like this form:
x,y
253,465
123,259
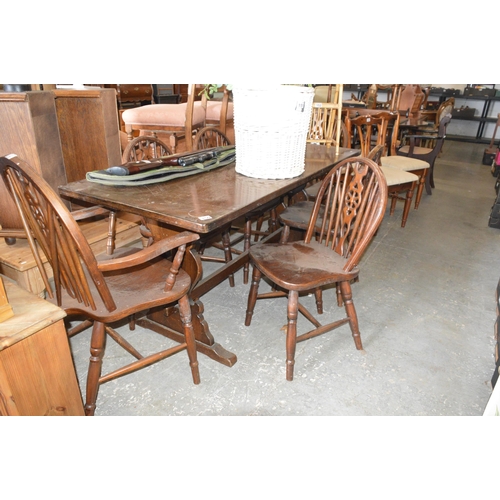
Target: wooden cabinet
x,y
182,89
61,133
88,127
37,375
132,95
29,129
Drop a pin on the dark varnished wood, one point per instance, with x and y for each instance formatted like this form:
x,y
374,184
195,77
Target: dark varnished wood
x,y
427,154
203,204
105,291
30,130
346,214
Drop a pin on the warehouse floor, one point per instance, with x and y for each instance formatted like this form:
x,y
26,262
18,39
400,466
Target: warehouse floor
x,y
426,308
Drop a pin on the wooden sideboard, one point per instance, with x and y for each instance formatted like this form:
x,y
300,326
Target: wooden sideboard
x,y
37,375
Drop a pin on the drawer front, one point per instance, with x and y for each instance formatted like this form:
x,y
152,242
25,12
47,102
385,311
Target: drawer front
x,y
134,92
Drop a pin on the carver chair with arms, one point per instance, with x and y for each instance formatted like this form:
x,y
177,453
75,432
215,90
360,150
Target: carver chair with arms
x,y
348,210
131,281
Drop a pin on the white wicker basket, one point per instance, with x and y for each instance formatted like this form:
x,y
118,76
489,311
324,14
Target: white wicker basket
x,y
270,126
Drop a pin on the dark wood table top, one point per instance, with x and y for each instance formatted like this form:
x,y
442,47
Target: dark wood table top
x,y
205,202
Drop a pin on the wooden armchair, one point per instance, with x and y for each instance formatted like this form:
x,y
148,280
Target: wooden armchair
x,y
130,282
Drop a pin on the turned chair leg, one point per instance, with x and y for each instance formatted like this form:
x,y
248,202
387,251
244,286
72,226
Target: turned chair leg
x,y
407,206
252,295
97,344
246,246
111,243
291,332
186,318
346,291
228,254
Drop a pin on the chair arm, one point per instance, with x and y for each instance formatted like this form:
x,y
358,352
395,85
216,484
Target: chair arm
x,y
85,213
149,253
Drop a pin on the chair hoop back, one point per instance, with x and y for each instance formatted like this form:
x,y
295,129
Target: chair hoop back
x,y
210,137
51,228
349,208
376,129
145,147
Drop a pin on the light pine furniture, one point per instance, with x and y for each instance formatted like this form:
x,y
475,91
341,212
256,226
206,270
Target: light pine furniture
x,y
5,308
37,375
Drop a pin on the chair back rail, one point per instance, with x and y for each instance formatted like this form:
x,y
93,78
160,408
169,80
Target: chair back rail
x,y
348,209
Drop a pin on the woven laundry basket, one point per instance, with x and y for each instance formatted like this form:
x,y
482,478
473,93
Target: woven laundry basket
x,y
270,127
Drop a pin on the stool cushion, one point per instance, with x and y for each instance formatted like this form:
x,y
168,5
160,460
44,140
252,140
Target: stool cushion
x,y
394,176
171,115
403,163
214,109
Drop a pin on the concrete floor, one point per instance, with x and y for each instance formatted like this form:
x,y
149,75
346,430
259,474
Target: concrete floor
x,y
426,308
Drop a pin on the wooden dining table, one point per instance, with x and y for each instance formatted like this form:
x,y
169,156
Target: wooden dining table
x,y
205,204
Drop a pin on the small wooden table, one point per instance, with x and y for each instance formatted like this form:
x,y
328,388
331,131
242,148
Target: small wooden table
x,y
204,204
37,375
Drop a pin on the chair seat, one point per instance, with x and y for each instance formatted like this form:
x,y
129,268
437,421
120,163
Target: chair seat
x,y
403,163
298,214
214,110
395,176
171,115
299,266
125,286
312,191
418,150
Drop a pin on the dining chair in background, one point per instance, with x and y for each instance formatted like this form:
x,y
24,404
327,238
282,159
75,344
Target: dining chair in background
x,y
104,291
253,221
411,152
378,129
178,121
